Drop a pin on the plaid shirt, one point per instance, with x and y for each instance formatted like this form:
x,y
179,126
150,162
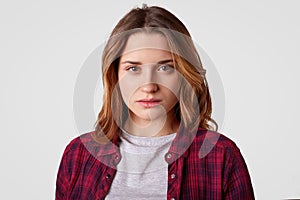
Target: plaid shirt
x,y
203,165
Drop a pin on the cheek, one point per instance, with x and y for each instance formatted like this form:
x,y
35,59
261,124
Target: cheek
x,y
171,97
172,84
127,87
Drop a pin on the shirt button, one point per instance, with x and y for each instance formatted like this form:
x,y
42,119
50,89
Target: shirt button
x,y
172,198
169,155
117,157
107,176
173,176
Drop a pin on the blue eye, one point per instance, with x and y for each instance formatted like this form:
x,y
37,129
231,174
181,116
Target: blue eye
x,y
132,68
165,68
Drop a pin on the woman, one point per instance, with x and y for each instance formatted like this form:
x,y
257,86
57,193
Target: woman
x,y
154,137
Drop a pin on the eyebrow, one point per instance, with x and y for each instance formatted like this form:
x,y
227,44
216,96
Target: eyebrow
x,y
139,63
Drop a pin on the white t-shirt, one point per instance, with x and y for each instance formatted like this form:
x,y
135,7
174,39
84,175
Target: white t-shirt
x,y
142,172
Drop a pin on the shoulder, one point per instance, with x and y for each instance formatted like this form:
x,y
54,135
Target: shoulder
x,y
218,148
208,141
86,148
77,144
219,139
220,156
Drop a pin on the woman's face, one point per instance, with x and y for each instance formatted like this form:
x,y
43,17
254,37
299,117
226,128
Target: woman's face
x,y
148,81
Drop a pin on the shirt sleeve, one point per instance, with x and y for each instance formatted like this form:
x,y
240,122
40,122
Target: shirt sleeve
x,y
237,182
62,180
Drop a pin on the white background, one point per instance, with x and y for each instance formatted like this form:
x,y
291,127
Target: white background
x,y
254,46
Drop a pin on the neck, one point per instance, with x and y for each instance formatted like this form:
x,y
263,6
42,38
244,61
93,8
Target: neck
x,y
161,126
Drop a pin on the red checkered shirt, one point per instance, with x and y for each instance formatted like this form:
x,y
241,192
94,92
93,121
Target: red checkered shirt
x,y
203,165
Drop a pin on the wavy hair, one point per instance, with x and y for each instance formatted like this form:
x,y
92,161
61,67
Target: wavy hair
x,y
191,112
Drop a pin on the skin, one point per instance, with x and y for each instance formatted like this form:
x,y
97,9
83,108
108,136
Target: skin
x,y
149,85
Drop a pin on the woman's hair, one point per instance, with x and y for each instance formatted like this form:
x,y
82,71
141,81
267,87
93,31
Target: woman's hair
x,y
191,112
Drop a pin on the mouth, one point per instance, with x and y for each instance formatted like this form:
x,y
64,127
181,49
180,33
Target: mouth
x,y
149,103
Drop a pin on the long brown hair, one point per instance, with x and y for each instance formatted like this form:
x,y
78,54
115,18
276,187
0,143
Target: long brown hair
x,y
187,61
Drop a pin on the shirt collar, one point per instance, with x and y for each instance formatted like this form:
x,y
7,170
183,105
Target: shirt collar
x,y
110,149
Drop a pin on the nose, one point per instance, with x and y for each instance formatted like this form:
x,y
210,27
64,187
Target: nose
x,y
149,84
149,87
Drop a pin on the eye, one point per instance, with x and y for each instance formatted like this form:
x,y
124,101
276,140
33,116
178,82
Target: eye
x,y
165,68
132,68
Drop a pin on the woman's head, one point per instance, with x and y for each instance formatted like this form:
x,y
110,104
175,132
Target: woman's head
x,y
149,85
193,108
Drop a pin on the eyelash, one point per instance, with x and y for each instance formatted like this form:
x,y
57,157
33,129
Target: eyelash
x,y
167,67
129,68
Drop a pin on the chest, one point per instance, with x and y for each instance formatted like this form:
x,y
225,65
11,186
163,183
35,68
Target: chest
x,y
185,178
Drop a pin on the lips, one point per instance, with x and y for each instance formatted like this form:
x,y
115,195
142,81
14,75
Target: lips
x,y
149,103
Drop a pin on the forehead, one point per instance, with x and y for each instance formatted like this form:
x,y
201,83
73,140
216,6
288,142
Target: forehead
x,y
144,40
144,46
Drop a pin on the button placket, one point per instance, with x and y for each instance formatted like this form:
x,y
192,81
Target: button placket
x,y
172,176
